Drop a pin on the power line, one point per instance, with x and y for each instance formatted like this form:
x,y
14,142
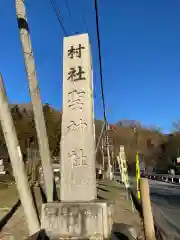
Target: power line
x,y
66,3
83,18
68,8
100,60
58,15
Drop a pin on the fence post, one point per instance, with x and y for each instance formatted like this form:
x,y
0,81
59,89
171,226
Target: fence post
x,y
147,211
138,176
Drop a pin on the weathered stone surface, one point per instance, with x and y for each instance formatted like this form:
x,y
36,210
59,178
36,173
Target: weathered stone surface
x,y
78,180
77,221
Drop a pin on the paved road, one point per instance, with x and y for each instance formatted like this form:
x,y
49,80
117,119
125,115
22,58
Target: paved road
x,y
165,198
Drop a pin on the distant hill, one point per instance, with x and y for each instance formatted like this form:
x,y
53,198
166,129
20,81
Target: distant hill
x,y
27,109
128,123
24,107
151,143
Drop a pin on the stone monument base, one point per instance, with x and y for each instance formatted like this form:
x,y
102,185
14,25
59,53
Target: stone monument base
x,y
89,220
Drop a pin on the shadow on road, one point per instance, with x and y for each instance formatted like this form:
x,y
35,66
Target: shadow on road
x,y
41,235
6,218
103,189
101,198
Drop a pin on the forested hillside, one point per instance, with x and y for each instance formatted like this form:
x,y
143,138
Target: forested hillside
x,y
155,147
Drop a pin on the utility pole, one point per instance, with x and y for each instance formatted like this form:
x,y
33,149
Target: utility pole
x,y
120,167
102,88
113,162
102,150
108,152
35,98
17,162
101,136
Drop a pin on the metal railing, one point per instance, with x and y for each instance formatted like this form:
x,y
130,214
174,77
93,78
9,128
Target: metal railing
x,y
165,177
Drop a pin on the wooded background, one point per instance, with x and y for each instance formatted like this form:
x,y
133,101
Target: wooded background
x,y
157,149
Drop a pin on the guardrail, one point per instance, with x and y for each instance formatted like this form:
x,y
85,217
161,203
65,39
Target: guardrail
x,y
165,177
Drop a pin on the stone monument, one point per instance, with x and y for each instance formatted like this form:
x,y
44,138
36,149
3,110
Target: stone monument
x,y
78,137
78,215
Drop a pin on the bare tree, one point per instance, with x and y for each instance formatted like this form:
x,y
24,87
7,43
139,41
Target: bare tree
x,y
155,129
176,126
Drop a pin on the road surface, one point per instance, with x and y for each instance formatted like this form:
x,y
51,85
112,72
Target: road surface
x,y
165,198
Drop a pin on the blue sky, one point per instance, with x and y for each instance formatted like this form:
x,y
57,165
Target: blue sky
x,y
140,53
